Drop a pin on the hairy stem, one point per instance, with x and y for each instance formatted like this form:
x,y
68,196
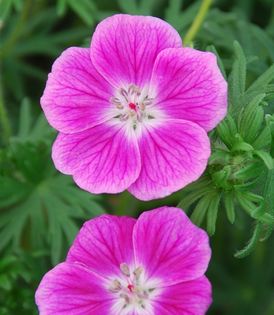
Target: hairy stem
x,y
198,21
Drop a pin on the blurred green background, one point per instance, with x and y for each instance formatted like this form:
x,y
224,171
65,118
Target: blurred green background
x,y
41,210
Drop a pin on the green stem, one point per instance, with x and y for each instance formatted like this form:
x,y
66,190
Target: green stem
x,y
4,120
198,21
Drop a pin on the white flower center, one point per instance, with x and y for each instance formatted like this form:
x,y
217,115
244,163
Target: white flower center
x,y
133,104
133,291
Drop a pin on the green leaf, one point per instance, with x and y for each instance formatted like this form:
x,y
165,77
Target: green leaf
x,y
242,146
25,119
254,205
219,156
85,9
229,206
180,19
251,119
237,79
249,171
251,243
260,84
212,213
227,130
190,197
263,140
200,210
264,40
61,7
266,158
43,204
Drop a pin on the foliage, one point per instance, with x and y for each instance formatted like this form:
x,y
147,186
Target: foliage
x,y
39,205
19,276
241,158
41,209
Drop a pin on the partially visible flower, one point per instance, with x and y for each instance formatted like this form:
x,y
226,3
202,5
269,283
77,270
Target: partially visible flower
x,y
120,266
134,108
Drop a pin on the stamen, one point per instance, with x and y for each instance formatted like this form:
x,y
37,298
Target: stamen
x,y
125,269
124,93
134,291
116,102
115,286
131,102
137,272
126,297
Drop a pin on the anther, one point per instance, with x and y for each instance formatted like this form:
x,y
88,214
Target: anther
x,y
116,102
137,272
125,269
115,286
125,297
124,93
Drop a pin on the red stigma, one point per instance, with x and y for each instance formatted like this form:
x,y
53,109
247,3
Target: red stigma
x,y
132,106
130,287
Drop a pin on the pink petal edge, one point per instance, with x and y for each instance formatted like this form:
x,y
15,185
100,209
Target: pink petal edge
x,y
170,247
186,298
102,159
173,155
103,243
76,96
72,289
190,86
124,47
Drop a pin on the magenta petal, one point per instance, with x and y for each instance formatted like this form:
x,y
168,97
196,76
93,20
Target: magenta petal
x,y
170,247
72,289
190,86
124,47
173,154
187,298
103,244
101,159
76,96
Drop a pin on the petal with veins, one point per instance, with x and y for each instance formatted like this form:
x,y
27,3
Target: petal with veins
x,y
174,154
190,86
101,159
103,244
186,298
178,251
72,289
76,96
124,47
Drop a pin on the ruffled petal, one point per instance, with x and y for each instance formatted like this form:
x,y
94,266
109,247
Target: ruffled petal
x,y
124,47
101,159
72,289
190,86
187,298
170,247
103,244
76,96
173,154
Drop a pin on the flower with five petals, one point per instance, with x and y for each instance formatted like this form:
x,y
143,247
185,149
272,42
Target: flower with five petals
x,y
134,108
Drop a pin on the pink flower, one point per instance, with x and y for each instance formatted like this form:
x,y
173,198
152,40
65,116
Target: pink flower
x,y
120,266
133,109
